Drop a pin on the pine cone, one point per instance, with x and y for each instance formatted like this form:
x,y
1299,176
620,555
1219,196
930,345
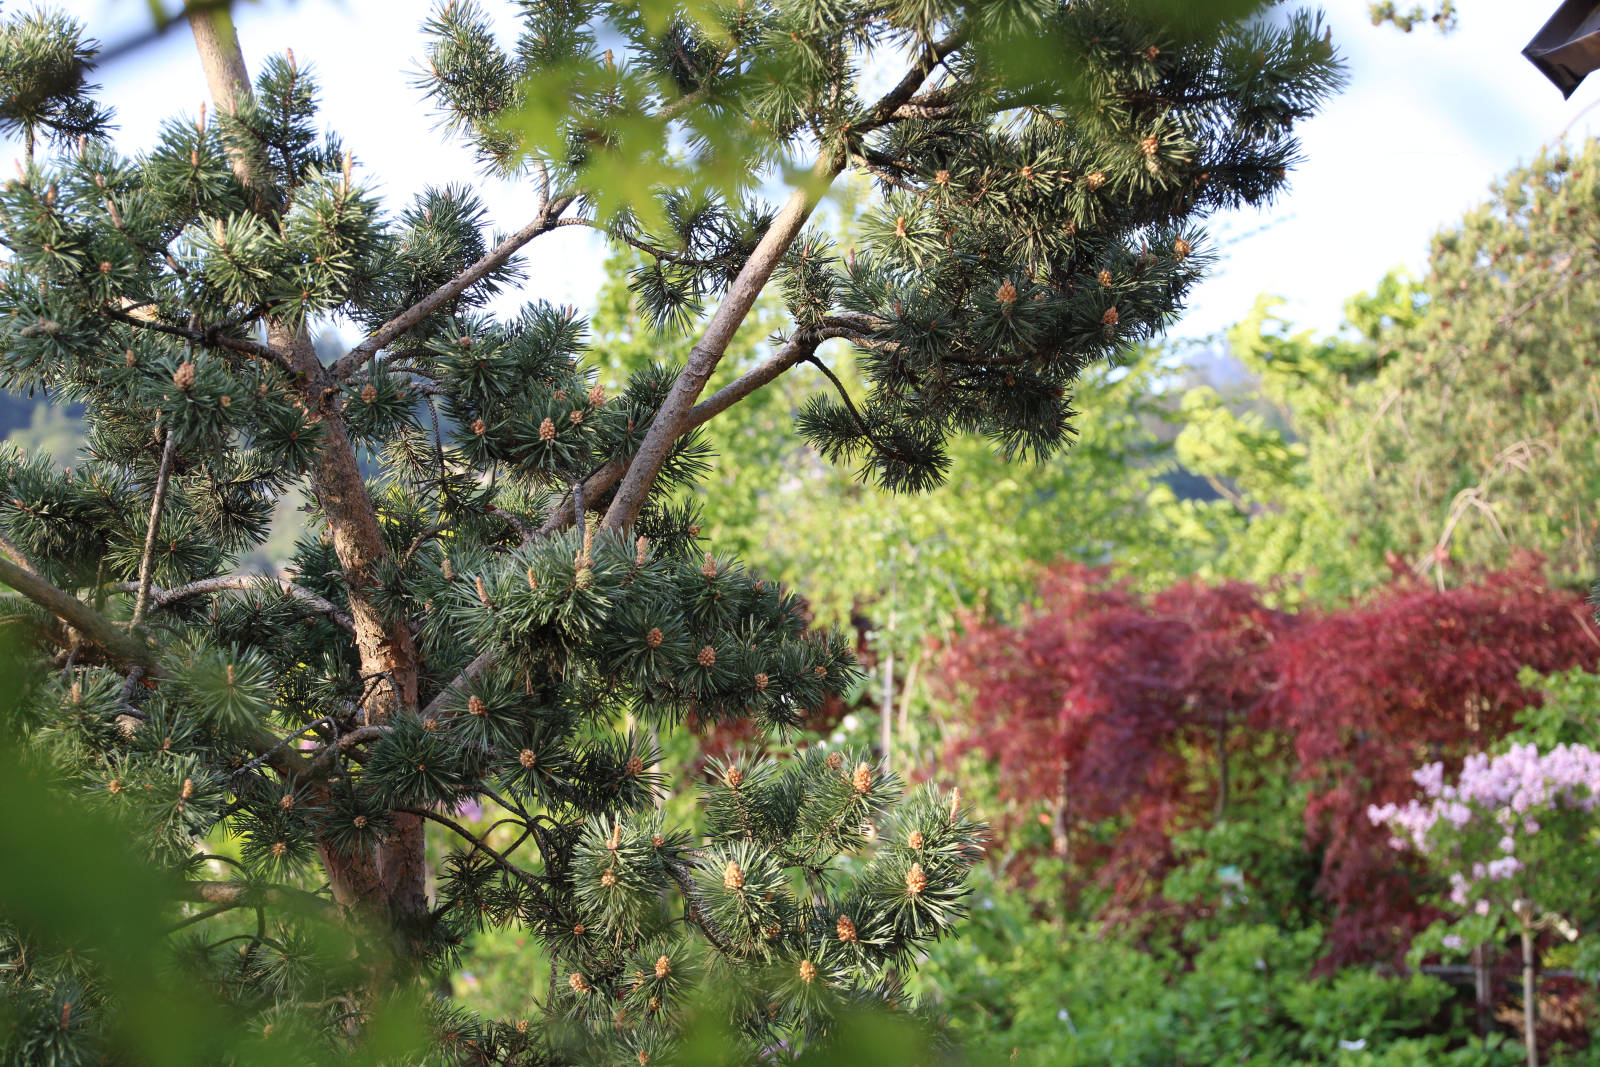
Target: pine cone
x,y
861,780
845,928
732,876
707,657
916,881
808,972
663,967
547,430
578,982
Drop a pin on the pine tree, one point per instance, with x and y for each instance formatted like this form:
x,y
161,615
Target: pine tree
x,y
502,563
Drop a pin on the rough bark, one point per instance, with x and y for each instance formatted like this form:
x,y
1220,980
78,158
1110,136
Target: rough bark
x,y
397,874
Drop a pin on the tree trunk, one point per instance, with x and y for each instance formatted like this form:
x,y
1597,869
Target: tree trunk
x,y
1481,989
388,652
1530,1004
391,881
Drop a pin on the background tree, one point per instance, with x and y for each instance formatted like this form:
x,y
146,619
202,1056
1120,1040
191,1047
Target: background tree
x,y
1448,428
456,627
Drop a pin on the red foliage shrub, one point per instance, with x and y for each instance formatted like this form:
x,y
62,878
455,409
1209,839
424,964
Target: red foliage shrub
x,y
1115,709
1411,676
1099,701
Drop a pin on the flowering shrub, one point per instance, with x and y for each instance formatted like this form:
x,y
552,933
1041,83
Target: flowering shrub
x,y
1512,837
1128,720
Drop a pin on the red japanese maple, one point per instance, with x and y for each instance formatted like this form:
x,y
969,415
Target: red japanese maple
x,y
1411,676
1128,712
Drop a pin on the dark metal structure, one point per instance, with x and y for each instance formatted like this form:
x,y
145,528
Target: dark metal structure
x,y
1567,48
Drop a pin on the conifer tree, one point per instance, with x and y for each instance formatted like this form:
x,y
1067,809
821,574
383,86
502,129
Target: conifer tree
x,y
502,565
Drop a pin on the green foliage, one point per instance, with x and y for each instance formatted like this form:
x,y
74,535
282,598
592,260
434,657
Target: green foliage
x,y
1060,994
1442,15
1447,429
44,62
444,636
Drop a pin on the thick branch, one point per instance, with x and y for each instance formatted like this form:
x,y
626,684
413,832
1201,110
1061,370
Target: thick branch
x,y
228,79
90,624
798,350
239,894
671,420
15,554
491,261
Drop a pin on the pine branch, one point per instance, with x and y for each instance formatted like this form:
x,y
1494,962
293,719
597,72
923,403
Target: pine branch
x,y
110,638
933,53
797,350
479,845
243,582
211,338
655,251
670,421
543,223
472,670
243,895
15,555
90,624
692,910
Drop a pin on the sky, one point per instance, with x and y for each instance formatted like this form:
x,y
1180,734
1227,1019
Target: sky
x,y
1426,123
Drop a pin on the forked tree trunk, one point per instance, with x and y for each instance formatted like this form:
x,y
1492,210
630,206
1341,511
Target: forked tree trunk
x,y
391,880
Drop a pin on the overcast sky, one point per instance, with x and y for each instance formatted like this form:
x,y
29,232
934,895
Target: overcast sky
x,y
1423,128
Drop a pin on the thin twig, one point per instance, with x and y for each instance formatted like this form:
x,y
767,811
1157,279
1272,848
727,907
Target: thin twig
x,y
242,582
147,562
